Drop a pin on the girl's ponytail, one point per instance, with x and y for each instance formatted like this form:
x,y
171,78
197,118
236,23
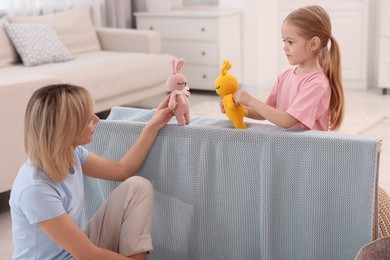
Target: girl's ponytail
x,y
330,62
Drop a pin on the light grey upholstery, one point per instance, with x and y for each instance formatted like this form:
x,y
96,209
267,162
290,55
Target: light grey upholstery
x,y
259,193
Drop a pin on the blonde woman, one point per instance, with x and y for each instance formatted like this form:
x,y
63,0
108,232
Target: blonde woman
x,y
47,197
309,95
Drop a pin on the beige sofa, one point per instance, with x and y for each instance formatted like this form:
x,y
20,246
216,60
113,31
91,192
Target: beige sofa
x,y
117,66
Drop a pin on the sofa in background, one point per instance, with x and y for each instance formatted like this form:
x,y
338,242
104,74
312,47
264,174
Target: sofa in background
x,y
117,66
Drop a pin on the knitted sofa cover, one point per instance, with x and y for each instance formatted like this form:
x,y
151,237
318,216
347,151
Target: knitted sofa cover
x,y
259,193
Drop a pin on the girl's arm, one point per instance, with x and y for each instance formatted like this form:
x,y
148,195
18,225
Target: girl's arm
x,y
251,112
70,237
99,167
260,110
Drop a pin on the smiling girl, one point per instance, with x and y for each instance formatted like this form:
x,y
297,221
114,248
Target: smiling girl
x,y
47,197
310,94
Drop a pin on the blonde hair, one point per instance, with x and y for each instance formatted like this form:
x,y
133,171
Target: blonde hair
x,y
55,116
314,21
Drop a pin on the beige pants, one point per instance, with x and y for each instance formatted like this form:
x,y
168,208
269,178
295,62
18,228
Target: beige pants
x,y
123,223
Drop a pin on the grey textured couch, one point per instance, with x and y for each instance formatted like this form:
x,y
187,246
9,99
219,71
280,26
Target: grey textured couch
x,y
118,66
259,193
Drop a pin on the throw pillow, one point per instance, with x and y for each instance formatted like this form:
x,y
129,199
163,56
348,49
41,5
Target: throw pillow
x,y
8,53
37,44
74,27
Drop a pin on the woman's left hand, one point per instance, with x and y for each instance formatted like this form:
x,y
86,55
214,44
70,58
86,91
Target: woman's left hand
x,y
162,115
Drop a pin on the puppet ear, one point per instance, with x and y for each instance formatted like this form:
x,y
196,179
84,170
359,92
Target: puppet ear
x,y
225,67
179,66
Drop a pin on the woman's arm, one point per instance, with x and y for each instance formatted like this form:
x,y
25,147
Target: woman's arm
x,y
260,110
130,163
70,237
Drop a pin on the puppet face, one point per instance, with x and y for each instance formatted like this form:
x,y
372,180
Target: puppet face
x,y
176,82
226,84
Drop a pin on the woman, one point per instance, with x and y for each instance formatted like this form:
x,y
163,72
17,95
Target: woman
x,y
47,198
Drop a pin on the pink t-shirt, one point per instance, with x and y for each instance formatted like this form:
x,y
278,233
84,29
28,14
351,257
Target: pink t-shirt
x,y
306,97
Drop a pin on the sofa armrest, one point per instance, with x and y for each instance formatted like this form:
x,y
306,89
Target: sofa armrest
x,y
129,40
15,91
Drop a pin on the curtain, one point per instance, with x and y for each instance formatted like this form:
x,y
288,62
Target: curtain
x,y
37,7
118,13
110,13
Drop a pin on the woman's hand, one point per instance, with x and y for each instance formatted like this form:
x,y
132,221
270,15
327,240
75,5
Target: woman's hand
x,y
162,116
64,231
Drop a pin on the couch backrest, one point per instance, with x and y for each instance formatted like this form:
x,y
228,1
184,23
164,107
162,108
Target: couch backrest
x,y
8,53
74,28
259,193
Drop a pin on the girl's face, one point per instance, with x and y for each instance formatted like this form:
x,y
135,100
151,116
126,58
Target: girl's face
x,y
296,48
86,135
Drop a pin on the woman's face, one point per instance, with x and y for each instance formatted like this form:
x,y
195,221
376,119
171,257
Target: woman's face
x,y
296,48
86,135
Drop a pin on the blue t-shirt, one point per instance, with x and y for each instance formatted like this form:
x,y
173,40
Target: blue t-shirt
x,y
35,198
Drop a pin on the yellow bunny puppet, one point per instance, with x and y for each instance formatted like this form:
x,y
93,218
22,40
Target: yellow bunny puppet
x,y
225,86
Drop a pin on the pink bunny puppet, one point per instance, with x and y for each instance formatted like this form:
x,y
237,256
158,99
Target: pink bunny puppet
x,y
178,100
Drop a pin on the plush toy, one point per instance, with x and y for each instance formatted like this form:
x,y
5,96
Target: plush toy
x,y
178,100
225,86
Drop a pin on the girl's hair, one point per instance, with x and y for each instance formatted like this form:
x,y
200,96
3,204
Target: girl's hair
x,y
314,21
55,116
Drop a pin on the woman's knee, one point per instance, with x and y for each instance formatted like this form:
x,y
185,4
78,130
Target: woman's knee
x,y
139,184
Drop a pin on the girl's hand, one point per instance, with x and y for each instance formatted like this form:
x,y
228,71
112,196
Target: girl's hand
x,y
221,106
242,97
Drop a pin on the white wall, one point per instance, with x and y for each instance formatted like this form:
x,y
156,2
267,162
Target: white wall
x,y
249,39
260,32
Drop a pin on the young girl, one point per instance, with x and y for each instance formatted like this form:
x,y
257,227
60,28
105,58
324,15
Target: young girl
x,y
47,197
309,95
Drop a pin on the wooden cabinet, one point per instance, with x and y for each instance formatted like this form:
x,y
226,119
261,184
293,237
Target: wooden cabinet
x,y
204,38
